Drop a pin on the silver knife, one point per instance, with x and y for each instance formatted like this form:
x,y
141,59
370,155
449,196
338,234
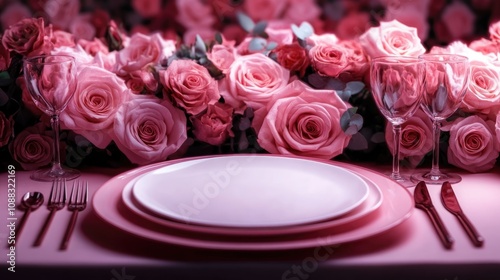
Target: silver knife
x,y
423,201
450,202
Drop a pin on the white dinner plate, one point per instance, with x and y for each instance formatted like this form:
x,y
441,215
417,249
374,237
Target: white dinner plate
x,y
250,191
371,204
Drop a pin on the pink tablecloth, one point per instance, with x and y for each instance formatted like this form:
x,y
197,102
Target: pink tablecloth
x,y
409,251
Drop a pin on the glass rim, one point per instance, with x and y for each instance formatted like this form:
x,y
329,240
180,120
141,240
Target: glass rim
x,y
396,59
34,59
435,57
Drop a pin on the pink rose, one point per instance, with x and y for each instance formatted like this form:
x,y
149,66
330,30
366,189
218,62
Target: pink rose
x,y
62,12
483,91
323,39
277,34
410,15
147,129
391,38
264,9
80,55
299,11
28,37
142,82
472,144
485,46
147,9
358,63
62,39
32,147
206,33
252,81
302,121
353,25
82,28
293,57
214,126
93,47
459,20
494,31
142,51
6,129
222,56
194,14
190,85
14,13
4,58
328,60
91,111
416,136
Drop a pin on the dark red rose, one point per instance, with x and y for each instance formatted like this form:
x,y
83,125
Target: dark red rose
x,y
293,57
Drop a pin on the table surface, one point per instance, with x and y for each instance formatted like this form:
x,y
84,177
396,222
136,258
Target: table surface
x,y
411,250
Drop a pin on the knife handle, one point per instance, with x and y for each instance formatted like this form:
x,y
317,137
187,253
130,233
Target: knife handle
x,y
476,238
443,233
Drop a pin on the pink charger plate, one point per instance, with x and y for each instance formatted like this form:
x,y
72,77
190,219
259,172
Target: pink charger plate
x,y
397,206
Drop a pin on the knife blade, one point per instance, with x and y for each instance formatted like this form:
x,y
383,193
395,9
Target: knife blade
x,y
423,201
451,204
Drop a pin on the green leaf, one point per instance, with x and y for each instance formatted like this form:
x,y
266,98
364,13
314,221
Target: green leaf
x,y
350,122
260,28
246,22
218,37
5,79
257,44
305,30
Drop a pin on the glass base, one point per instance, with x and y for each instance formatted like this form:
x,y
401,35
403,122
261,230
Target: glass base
x,y
49,174
403,180
439,178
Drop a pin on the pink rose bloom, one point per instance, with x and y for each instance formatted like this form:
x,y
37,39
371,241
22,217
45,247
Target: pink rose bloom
x,y
62,12
32,147
80,55
494,31
82,28
14,13
353,25
302,121
26,97
4,58
391,38
252,81
194,14
222,56
214,126
105,61
485,46
264,9
142,51
28,37
298,11
190,85
329,60
323,39
206,33
91,111
6,129
472,144
93,47
358,63
416,136
147,129
483,91
410,15
147,8
278,35
63,39
459,20
142,82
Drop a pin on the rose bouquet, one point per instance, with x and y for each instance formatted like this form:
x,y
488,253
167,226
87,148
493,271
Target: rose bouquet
x,y
287,86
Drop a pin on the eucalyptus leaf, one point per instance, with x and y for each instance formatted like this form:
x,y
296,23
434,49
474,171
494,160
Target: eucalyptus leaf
x,y
356,121
317,81
246,22
218,37
378,138
345,119
199,46
5,78
305,30
257,44
335,84
4,98
351,130
260,28
271,46
358,142
248,112
243,142
344,95
244,124
355,87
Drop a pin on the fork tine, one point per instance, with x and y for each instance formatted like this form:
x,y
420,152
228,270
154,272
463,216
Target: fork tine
x,y
85,199
54,186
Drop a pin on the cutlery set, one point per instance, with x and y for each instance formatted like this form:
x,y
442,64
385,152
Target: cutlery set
x,y
423,201
57,200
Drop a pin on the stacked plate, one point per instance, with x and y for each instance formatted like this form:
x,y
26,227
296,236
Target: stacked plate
x,y
252,202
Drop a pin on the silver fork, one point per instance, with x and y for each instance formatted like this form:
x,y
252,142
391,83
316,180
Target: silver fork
x,y
77,202
57,200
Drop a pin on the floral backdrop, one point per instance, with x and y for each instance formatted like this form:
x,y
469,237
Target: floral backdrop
x,y
159,80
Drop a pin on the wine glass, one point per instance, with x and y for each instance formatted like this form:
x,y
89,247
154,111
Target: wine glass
x,y
447,77
51,82
397,86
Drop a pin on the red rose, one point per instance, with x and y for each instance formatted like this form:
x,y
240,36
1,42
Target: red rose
x,y
293,57
28,37
5,129
214,126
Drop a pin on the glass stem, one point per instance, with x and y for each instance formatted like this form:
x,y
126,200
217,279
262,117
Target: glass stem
x,y
56,154
396,128
436,125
